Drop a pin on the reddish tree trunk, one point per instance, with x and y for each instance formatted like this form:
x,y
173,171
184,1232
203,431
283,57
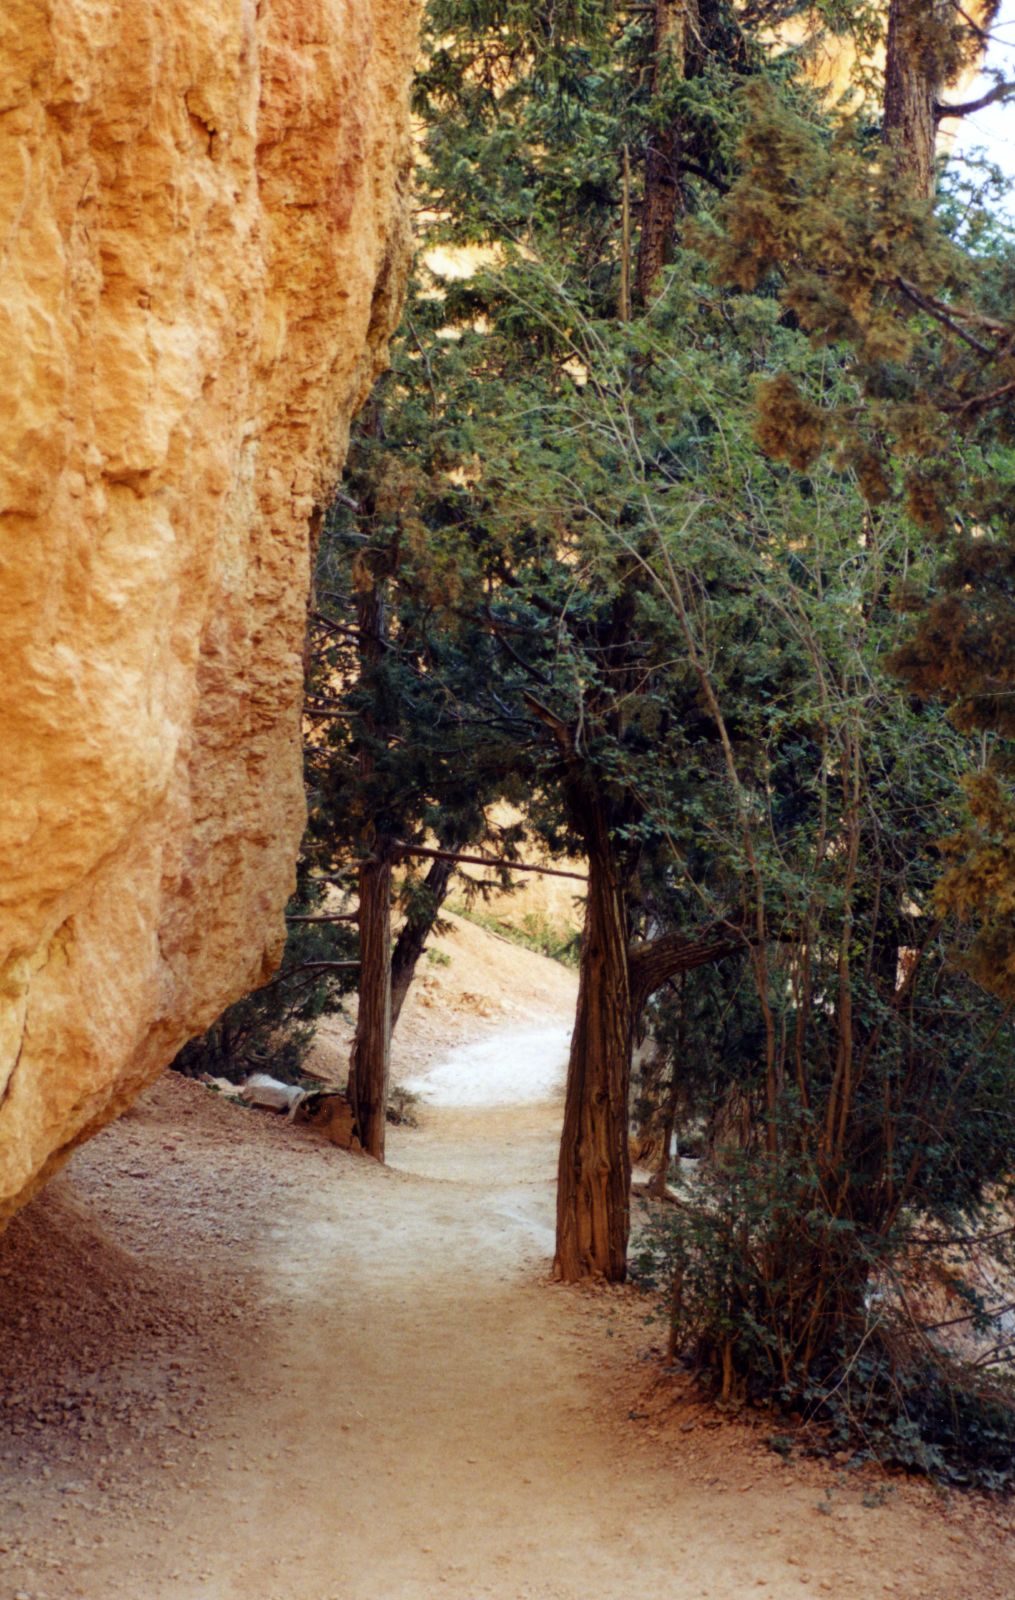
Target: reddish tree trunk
x,y
594,1170
370,1066
659,1179
370,1062
662,166
912,86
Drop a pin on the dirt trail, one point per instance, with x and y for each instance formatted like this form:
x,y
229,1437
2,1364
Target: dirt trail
x,y
314,1379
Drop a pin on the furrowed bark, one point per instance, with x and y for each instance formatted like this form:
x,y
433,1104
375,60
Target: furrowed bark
x,y
660,1177
594,1170
654,963
662,166
912,87
647,1110
370,1062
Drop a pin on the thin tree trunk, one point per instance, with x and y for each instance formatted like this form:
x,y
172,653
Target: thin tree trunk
x,y
624,309
370,1066
662,166
658,1181
912,87
415,932
647,1109
370,1062
667,1121
594,1171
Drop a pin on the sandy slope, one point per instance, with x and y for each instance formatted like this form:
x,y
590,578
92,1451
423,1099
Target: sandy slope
x,y
313,1379
469,985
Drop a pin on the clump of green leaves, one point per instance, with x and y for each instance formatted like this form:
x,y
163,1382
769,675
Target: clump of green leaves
x,y
918,302
532,931
731,1265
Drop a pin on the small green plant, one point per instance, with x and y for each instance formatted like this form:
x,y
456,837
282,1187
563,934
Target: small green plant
x,y
826,1506
536,932
438,958
874,1498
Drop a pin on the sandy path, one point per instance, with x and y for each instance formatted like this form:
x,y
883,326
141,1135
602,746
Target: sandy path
x,y
384,1397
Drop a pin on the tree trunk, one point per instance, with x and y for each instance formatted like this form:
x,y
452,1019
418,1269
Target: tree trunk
x,y
662,166
653,963
647,1108
594,1171
370,1062
912,86
660,1178
415,932
370,1065
624,308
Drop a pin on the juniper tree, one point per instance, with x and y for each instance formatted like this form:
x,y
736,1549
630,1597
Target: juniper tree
x,y
679,642
522,151
272,1029
922,298
402,757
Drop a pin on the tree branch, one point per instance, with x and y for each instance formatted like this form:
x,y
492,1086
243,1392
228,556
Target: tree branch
x,y
650,965
970,1316
336,916
971,1239
486,861
306,966
505,644
1000,91
939,315
977,401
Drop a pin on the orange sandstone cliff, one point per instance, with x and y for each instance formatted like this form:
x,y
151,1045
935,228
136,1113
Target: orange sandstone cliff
x,y
203,236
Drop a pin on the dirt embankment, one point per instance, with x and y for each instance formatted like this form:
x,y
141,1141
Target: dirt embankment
x,y
469,984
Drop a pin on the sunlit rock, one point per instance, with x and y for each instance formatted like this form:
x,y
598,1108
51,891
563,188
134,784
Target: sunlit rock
x,y
202,245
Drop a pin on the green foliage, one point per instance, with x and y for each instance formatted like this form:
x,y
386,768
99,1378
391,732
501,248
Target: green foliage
x,y
648,576
532,932
738,1301
922,303
272,1029
401,754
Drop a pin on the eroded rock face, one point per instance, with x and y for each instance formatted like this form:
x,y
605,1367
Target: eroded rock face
x,y
202,245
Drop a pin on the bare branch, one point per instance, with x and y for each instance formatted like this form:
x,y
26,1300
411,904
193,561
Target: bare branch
x,y
651,965
976,402
338,916
970,1316
939,315
938,1243
306,966
1000,91
487,861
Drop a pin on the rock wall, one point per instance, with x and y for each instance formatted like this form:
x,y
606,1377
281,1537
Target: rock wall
x,y
203,236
